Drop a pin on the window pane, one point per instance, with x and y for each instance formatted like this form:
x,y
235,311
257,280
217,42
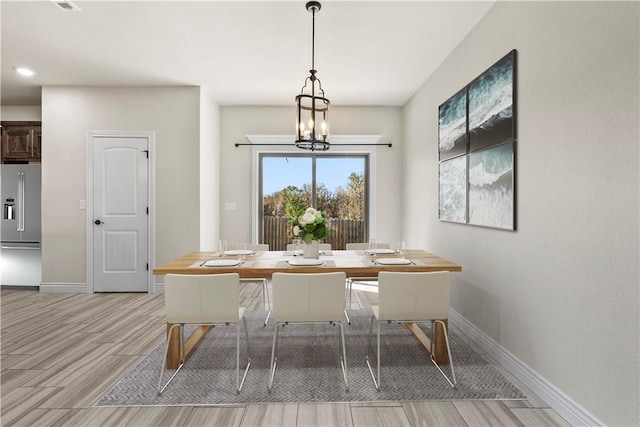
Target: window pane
x,y
287,183
340,191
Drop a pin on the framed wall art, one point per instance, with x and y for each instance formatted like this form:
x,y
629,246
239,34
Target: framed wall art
x,y
477,149
452,194
491,187
491,105
452,126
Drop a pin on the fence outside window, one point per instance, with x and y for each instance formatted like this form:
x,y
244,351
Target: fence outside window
x,y
277,233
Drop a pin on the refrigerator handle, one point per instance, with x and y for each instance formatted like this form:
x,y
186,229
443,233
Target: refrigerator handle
x,y
21,195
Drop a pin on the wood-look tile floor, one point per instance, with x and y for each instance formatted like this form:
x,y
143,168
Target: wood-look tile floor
x,y
61,352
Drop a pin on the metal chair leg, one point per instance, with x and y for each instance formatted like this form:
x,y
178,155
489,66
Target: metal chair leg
x,y
267,300
375,382
166,353
246,332
343,358
274,359
433,360
347,305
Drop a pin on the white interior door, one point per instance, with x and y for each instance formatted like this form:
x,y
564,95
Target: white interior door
x,y
120,214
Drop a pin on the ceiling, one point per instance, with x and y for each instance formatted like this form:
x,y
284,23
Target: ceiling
x,y
240,52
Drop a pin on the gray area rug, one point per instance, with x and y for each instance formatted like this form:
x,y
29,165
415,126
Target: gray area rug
x,y
309,369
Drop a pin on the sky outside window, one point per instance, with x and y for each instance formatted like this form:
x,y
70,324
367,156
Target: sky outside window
x,y
281,172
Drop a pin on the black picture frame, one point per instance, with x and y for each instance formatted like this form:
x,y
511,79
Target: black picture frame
x,y
452,126
491,187
452,190
491,105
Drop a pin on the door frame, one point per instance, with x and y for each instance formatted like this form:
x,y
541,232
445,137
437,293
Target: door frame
x,y
151,184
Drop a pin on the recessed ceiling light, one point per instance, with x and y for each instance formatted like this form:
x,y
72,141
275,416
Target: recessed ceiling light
x,y
23,71
66,5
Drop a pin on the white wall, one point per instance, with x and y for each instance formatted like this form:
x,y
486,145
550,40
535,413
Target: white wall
x,y
209,173
68,113
238,122
30,113
560,293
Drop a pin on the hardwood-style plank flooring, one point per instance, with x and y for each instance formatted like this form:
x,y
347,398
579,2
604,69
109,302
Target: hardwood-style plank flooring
x,y
59,353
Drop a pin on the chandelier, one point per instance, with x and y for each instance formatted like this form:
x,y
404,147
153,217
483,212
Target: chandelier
x,y
313,107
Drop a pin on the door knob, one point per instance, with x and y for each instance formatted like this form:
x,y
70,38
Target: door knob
x,y
98,222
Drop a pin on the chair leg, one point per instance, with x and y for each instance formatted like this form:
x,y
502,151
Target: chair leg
x,y
239,383
274,359
375,382
451,381
347,305
343,358
267,300
166,352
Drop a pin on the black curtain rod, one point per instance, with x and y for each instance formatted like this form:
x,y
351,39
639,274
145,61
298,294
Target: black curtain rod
x,y
237,144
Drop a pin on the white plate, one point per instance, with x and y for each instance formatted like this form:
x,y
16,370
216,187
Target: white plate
x,y
240,252
380,251
222,263
393,261
305,262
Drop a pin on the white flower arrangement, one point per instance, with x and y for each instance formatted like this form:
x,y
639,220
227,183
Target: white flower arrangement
x,y
309,224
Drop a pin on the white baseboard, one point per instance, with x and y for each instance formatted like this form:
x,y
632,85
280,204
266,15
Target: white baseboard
x,y
554,397
158,288
63,288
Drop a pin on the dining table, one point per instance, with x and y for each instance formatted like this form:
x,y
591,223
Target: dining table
x,y
262,264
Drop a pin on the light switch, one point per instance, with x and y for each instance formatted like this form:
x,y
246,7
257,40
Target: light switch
x,y
229,206
83,205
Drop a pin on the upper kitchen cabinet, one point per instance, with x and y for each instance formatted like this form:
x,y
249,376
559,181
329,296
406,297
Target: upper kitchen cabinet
x,y
21,141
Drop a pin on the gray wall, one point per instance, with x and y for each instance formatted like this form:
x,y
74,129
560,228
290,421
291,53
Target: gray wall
x,y
238,122
20,113
68,113
560,293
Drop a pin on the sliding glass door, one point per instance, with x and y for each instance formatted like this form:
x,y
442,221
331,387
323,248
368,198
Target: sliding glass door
x,y
336,184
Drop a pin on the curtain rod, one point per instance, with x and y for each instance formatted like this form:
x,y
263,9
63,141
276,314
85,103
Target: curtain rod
x,y
237,144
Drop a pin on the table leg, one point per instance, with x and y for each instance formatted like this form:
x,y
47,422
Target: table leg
x,y
440,347
173,356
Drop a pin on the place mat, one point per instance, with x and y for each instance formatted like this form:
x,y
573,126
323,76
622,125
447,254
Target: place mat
x,y
379,251
234,263
304,262
322,253
309,369
393,261
236,252
285,264
222,263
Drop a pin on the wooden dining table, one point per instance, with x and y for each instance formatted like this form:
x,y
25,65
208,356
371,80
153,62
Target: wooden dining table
x,y
262,264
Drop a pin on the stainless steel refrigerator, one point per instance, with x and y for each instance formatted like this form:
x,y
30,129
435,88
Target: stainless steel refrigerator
x,y
20,232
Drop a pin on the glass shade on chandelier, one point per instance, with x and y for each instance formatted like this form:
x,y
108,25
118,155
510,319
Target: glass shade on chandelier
x,y
313,119
312,124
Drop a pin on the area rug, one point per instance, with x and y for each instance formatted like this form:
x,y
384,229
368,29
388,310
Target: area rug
x,y
309,370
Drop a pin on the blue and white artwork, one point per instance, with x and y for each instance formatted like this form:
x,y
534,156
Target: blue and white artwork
x,y
491,187
452,197
491,104
452,126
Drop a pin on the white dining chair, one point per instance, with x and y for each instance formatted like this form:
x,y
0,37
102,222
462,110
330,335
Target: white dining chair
x,y
367,281
207,299
307,298
412,297
261,247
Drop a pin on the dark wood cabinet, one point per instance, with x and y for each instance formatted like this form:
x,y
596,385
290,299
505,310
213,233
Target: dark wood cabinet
x,y
21,141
